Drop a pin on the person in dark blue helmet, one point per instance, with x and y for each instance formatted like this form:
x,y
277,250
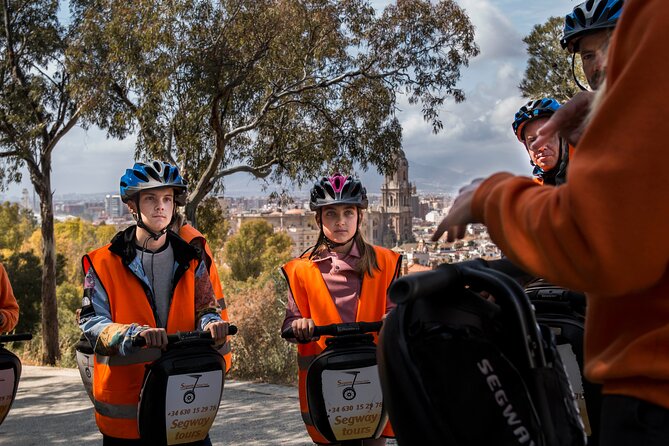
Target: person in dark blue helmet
x,y
549,161
587,30
146,283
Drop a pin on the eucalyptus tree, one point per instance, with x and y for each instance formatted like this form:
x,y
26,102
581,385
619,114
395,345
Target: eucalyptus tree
x,y
37,109
549,67
281,89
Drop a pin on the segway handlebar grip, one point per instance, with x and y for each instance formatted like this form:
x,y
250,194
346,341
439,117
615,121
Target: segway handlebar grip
x,y
180,336
408,288
16,337
347,328
288,333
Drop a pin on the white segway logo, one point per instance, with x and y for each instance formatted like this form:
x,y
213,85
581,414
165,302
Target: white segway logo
x,y
508,411
189,395
349,390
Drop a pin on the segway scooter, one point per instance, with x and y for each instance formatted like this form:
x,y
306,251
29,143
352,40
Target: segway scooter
x,y
563,311
462,370
343,388
182,390
85,364
10,373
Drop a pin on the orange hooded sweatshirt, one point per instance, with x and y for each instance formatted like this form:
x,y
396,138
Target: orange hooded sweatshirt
x,y
9,309
605,230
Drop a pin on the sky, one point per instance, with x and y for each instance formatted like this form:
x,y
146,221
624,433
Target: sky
x,y
476,140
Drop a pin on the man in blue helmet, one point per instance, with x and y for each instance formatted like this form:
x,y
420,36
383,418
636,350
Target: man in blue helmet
x,y
146,283
587,31
550,160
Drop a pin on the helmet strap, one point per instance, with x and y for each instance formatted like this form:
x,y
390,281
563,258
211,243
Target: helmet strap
x,y
331,244
573,72
137,215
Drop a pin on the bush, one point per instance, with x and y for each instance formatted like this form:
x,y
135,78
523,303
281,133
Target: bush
x,y
257,307
69,299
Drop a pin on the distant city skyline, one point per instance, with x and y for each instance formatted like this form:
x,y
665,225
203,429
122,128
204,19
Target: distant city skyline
x,y
476,140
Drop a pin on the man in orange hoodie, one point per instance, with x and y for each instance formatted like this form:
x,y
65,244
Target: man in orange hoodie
x,y
9,309
604,230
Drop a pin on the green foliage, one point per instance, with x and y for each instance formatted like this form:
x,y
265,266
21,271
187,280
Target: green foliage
x,y
25,271
212,223
69,301
258,308
548,72
74,238
37,109
17,223
256,248
284,89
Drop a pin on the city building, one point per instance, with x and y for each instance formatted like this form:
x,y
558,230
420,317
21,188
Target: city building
x,y
114,206
299,224
390,223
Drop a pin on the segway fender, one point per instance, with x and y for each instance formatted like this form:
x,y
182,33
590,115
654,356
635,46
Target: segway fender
x,y
10,372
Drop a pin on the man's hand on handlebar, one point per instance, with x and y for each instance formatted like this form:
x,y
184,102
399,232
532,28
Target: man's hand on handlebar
x,y
218,330
155,337
304,330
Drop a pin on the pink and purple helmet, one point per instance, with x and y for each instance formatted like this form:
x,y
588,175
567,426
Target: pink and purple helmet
x,y
338,189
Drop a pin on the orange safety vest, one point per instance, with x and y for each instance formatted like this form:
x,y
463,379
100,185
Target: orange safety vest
x,y
314,301
189,233
118,379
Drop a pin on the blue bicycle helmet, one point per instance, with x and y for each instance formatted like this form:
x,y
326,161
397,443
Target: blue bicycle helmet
x,y
532,110
152,175
338,189
589,16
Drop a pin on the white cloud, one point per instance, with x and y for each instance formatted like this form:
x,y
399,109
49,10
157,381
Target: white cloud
x,y
496,36
476,140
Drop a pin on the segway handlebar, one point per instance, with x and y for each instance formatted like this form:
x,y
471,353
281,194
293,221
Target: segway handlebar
x,y
425,283
348,328
184,336
16,337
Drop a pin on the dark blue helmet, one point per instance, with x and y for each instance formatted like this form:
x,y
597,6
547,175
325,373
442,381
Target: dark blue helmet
x,y
338,189
532,110
152,175
590,15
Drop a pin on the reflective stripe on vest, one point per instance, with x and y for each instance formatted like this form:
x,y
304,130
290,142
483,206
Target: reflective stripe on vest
x,y
117,379
314,301
126,411
144,355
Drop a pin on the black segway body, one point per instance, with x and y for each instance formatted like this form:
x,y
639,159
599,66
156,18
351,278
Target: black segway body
x,y
10,373
563,311
181,393
85,364
457,369
344,391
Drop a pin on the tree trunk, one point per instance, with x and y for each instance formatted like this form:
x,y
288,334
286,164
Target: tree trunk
x,y
50,344
191,211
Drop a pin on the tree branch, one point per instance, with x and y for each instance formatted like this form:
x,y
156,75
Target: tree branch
x,y
258,172
66,128
122,95
10,153
17,73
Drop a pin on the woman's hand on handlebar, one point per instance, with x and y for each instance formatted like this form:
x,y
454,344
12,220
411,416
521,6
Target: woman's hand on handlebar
x,y
155,337
218,330
304,329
